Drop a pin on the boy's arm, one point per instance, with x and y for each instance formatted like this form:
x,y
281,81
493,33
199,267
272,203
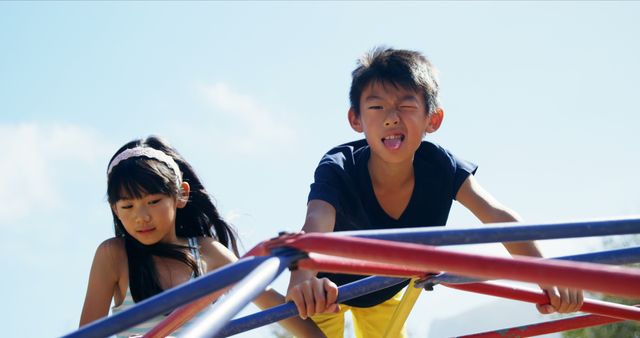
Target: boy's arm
x,y
488,210
310,294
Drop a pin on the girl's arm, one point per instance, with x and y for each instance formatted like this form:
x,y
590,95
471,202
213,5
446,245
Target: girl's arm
x,y
488,210
297,326
103,280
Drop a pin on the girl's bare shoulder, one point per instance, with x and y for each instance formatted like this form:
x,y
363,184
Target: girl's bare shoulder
x,y
113,252
214,253
113,246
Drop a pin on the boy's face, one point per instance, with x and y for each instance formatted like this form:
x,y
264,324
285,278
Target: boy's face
x,y
394,121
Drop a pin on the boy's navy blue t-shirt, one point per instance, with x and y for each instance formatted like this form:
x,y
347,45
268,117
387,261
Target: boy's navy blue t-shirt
x,y
342,180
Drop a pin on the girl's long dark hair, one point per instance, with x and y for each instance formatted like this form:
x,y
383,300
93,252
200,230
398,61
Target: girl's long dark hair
x,y
138,176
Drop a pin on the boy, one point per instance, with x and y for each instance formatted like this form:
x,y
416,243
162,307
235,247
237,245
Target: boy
x,y
393,179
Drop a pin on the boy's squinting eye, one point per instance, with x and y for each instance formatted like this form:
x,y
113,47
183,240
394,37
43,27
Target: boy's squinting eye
x,y
375,107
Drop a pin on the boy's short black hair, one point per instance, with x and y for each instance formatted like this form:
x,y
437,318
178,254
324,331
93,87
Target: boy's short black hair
x,y
403,68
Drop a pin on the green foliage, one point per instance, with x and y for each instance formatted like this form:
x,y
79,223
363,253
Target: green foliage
x,y
627,329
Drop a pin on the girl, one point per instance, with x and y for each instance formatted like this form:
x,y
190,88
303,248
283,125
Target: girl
x,y
167,231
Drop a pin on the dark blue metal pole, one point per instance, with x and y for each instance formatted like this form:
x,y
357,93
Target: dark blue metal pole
x,y
501,233
168,300
214,319
280,312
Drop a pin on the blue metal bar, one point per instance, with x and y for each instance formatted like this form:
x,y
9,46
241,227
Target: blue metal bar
x,y
168,300
214,319
614,257
501,232
280,312
617,257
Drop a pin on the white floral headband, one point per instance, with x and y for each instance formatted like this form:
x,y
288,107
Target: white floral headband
x,y
146,152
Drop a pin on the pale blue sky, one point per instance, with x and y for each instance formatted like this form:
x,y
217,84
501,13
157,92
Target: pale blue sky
x,y
543,96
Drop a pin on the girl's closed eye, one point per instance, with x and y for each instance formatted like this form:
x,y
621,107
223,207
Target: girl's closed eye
x,y
154,199
125,205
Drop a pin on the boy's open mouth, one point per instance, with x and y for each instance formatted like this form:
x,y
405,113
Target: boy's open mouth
x,y
393,141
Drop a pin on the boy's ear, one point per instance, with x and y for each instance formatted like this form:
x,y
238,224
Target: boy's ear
x,y
183,198
435,120
354,120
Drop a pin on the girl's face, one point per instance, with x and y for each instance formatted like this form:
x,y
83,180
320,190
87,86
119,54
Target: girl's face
x,y
149,219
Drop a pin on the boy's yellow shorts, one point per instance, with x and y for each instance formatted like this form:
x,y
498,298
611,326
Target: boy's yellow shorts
x,y
368,322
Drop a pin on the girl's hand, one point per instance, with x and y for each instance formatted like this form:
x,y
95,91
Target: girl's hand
x,y
561,300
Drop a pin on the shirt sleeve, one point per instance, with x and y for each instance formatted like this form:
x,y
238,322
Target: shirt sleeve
x,y
324,186
333,182
462,169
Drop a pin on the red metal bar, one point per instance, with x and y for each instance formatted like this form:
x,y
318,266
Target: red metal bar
x,y
320,262
330,264
539,297
595,277
259,250
558,325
